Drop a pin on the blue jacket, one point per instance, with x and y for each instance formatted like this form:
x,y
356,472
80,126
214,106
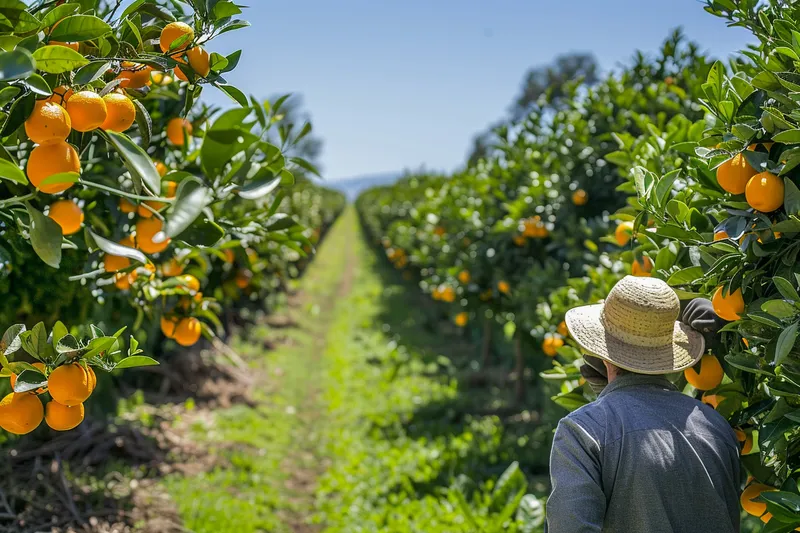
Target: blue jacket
x,y
644,458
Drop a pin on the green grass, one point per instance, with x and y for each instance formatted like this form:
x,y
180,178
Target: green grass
x,y
370,404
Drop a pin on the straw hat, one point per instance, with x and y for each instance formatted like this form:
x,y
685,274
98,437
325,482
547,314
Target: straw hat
x,y
636,328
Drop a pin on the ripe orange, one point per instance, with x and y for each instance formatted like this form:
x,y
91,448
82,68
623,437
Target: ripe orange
x,y
623,233
134,75
70,384
48,123
50,159
720,235
121,112
746,439
580,197
503,287
180,75
176,128
162,169
160,78
733,175
123,281
243,278
729,307
551,345
764,192
230,256
464,277
114,263
146,230
168,326
562,329
87,110
752,491
188,331
642,269
709,376
519,240
448,294
21,413
712,399
174,31
61,95
462,319
190,282
126,206
199,60
68,215
62,417
172,268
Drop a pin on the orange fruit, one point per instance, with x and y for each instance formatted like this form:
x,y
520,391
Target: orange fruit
x,y
750,492
180,75
503,287
92,378
70,384
168,326
68,215
41,368
712,399
62,417
764,192
121,113
87,110
746,439
188,331
114,263
176,128
169,189
519,240
162,169
160,78
729,307
73,46
562,329
243,278
190,282
464,277
123,281
642,269
580,197
199,60
733,175
134,75
705,375
174,31
126,206
172,268
448,294
551,345
50,159
20,413
462,319
720,235
146,230
623,233
48,123
230,257
61,95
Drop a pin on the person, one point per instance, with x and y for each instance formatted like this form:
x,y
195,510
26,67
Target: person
x,y
643,457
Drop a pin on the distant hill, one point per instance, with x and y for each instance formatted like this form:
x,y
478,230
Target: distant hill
x,y
352,187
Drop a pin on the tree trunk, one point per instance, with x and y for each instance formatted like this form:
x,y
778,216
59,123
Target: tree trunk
x,y
519,369
486,348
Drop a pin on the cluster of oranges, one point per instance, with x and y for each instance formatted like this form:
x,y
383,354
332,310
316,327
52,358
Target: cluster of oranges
x,y
444,293
763,191
69,386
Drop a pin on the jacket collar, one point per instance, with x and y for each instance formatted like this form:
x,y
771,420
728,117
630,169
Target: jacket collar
x,y
634,380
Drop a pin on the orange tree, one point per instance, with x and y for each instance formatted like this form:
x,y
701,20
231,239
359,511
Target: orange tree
x,y
119,185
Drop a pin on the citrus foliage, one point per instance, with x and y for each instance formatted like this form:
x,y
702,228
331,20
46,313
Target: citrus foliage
x,y
134,203
691,177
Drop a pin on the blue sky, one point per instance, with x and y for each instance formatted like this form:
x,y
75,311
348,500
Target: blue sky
x,y
396,84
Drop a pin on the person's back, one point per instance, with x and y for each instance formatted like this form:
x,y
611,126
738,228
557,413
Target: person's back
x,y
664,463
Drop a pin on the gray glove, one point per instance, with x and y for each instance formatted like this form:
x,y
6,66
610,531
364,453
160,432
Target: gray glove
x,y
698,314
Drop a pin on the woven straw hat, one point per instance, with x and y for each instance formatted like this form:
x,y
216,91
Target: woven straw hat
x,y
636,328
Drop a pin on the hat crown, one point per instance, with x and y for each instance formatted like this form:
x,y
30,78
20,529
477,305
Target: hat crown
x,y
641,311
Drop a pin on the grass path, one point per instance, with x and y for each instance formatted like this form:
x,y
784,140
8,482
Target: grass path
x,y
362,421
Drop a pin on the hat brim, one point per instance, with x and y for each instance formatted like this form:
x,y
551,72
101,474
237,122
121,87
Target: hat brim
x,y
586,328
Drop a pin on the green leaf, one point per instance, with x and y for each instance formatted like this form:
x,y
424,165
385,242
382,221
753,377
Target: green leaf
x,y
45,237
11,341
786,289
259,188
61,177
57,59
144,121
131,9
91,72
788,137
236,95
59,331
37,85
21,109
58,13
29,380
79,28
791,197
302,163
136,360
785,343
113,248
35,341
203,232
686,276
779,308
190,200
12,172
136,161
16,64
